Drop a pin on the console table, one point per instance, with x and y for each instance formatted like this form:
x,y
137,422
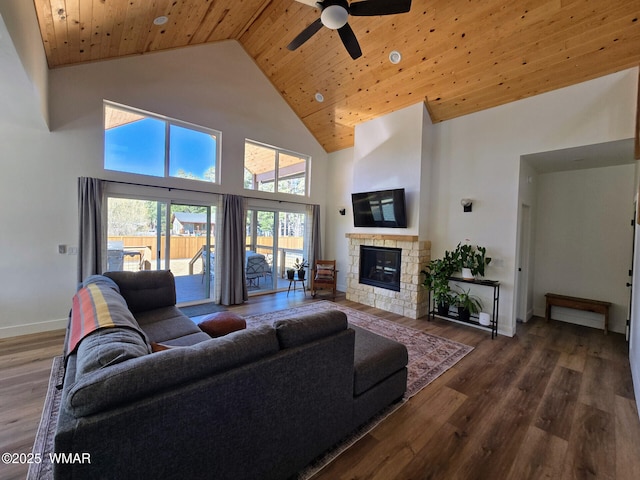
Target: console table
x,y
473,321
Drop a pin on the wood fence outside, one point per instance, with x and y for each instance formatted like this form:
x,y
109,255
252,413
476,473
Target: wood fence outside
x,y
187,246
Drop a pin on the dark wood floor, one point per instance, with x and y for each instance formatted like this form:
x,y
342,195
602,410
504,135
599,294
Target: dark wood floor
x,y
556,401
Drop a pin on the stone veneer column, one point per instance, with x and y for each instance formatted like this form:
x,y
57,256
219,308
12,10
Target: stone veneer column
x,y
412,299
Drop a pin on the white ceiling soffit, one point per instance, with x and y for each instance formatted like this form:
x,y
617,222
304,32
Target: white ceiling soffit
x,y
619,152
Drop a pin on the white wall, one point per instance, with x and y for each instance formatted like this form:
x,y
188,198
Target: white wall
x,y
584,241
19,18
339,191
217,86
389,153
478,156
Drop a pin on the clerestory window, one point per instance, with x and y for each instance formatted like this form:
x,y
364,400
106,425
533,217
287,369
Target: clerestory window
x,y
272,169
147,144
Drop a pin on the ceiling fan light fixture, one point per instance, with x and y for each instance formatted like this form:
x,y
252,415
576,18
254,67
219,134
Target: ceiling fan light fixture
x,y
334,17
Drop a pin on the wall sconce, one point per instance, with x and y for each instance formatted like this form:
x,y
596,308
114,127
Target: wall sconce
x,y
342,211
467,204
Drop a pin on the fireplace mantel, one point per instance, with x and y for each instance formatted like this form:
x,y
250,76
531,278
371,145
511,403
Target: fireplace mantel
x,y
382,236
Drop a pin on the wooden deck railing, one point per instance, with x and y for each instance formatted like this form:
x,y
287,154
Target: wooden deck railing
x,y
187,246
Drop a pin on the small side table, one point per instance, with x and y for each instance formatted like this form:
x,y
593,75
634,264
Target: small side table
x,y
295,281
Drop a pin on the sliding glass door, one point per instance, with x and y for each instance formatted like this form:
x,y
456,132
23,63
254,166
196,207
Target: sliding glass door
x,y
275,241
159,234
135,230
191,249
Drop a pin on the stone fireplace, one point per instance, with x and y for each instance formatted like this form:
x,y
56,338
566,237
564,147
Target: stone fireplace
x,y
411,298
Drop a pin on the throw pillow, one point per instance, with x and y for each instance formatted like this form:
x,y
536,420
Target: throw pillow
x,y
324,274
221,323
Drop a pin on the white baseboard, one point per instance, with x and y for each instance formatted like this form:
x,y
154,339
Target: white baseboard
x,y
29,328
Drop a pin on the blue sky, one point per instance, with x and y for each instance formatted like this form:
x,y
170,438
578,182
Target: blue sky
x,y
138,147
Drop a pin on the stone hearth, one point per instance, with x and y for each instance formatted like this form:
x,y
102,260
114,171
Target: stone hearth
x,y
412,299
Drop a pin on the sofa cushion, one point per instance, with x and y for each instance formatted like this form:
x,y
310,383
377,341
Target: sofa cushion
x,y
139,377
307,328
221,323
146,289
168,325
109,346
376,358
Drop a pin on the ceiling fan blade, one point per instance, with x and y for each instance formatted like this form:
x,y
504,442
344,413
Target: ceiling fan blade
x,y
305,35
379,7
350,41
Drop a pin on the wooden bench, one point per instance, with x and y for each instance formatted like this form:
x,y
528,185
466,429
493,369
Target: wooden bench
x,y
596,306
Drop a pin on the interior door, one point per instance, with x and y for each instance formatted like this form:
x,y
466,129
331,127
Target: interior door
x,y
524,251
627,332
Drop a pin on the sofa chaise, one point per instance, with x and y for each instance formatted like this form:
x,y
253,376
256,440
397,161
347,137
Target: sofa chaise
x,y
259,403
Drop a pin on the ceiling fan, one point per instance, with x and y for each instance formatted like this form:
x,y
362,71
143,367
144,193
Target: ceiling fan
x,y
335,13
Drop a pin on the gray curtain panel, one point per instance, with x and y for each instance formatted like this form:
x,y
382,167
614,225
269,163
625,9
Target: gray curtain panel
x,y
90,199
230,256
315,247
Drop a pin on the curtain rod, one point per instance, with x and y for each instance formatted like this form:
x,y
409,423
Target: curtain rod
x,y
201,191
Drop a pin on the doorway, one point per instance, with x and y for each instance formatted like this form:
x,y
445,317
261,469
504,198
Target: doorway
x,y
523,274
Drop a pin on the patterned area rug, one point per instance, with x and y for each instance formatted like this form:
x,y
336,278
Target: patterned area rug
x,y
429,357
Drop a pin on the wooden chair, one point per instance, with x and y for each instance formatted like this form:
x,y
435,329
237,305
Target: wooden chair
x,y
324,276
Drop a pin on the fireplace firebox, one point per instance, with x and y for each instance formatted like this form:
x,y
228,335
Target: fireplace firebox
x,y
380,267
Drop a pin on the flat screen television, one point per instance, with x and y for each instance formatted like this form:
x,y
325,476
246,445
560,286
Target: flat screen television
x,y
384,208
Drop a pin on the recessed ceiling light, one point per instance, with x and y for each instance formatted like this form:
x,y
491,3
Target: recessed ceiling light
x,y
160,20
319,97
395,57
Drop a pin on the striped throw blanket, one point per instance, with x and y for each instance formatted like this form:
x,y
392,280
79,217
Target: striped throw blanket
x,y
98,304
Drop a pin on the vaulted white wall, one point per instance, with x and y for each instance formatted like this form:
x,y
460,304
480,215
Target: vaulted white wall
x,y
216,85
390,152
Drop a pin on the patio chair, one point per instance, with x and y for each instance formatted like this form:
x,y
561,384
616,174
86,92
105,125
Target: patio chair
x,y
324,276
255,269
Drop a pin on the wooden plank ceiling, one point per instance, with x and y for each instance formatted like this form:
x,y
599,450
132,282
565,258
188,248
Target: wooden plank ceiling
x,y
459,56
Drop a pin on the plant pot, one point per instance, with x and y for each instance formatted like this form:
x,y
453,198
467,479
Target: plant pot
x,y
466,274
443,309
291,274
484,319
464,315
301,274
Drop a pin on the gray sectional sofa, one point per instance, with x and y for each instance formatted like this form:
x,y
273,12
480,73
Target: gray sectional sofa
x,y
259,403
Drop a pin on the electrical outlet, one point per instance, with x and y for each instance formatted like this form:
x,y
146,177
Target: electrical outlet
x,y
62,249
72,250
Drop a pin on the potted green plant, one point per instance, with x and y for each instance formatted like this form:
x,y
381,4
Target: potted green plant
x,y
437,275
471,260
467,304
290,273
300,267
